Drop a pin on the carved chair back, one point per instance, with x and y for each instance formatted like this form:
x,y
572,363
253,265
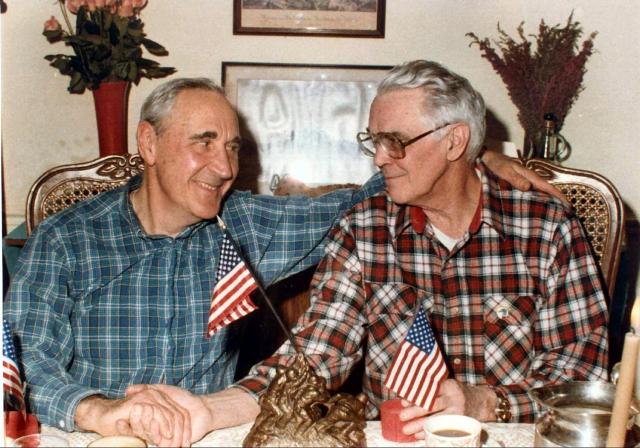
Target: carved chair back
x,y
599,208
64,185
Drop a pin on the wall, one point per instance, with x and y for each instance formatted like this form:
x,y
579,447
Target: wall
x,y
43,125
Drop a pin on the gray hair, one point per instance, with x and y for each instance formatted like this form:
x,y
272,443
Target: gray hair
x,y
161,100
449,97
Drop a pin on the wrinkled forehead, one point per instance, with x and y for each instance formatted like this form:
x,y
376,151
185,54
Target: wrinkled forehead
x,y
398,106
204,106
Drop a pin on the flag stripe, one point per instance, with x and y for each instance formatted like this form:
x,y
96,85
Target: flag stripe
x,y
243,309
234,282
418,368
228,307
231,293
11,379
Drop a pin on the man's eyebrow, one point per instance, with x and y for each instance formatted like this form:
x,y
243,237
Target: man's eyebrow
x,y
204,135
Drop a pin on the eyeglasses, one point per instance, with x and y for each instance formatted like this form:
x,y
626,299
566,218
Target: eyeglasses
x,y
393,146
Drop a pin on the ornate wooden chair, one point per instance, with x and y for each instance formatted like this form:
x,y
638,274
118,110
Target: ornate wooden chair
x,y
64,185
599,208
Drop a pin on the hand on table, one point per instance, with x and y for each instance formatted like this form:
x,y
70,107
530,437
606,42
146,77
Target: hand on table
x,y
165,415
453,398
163,421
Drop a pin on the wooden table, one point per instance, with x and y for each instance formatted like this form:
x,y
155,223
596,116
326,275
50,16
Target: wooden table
x,y
495,434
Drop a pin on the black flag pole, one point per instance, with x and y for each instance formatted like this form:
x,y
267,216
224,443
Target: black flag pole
x,y
265,297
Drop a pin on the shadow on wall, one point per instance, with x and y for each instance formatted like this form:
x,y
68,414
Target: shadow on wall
x,y
496,130
626,286
249,160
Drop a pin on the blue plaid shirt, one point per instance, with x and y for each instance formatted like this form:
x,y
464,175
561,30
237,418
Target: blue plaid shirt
x,y
98,304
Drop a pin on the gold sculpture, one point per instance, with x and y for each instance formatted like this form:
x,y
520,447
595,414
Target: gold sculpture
x,y
298,411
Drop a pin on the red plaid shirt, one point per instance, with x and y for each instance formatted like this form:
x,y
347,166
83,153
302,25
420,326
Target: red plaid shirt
x,y
517,303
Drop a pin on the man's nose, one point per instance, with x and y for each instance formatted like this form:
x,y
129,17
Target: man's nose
x,y
381,158
221,163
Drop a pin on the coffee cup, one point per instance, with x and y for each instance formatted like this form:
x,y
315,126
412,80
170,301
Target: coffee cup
x,y
452,431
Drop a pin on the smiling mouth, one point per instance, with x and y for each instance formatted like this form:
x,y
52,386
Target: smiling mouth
x,y
392,177
207,186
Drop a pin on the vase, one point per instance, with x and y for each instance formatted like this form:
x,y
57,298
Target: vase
x,y
112,100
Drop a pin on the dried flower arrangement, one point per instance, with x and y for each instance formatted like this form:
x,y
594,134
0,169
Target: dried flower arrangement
x,y
540,80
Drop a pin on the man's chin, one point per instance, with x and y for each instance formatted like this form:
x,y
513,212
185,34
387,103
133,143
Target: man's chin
x,y
396,198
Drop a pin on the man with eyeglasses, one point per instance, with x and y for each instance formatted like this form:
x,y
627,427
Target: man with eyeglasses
x,y
496,270
507,278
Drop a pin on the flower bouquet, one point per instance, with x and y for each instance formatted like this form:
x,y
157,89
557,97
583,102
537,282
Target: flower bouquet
x,y
107,44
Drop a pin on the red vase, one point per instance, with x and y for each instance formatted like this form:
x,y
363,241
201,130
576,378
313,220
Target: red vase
x,y
112,100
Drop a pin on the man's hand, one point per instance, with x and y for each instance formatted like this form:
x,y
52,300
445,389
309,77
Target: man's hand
x,y
203,414
169,423
147,420
517,175
453,397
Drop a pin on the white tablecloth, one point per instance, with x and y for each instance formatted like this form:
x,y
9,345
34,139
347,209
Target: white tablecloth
x,y
495,434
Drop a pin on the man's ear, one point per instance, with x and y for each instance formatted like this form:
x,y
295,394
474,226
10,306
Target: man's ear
x,y
458,141
147,142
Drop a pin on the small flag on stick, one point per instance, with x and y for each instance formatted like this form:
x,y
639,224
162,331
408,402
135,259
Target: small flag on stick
x,y
234,283
11,380
418,368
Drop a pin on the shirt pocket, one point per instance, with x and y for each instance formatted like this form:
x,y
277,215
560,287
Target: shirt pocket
x,y
509,335
390,311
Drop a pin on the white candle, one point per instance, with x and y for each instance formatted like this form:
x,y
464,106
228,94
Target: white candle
x,y
635,316
625,386
635,326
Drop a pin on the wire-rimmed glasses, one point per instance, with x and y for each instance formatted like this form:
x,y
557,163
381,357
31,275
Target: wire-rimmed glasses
x,y
391,143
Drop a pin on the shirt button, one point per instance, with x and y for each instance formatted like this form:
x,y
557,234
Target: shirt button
x,y
502,312
457,361
455,311
61,423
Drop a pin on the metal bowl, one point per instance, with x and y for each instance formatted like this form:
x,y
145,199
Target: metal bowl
x,y
576,413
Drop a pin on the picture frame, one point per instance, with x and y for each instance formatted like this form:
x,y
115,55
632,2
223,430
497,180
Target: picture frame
x,y
348,18
301,121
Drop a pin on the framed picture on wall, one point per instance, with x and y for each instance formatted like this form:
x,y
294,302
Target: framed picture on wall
x,y
302,120
346,18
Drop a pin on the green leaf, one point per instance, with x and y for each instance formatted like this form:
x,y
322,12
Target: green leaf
x,y
77,84
91,39
133,72
159,72
154,48
53,35
122,25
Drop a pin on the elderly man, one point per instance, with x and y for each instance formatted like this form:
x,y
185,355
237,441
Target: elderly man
x,y
116,290
507,279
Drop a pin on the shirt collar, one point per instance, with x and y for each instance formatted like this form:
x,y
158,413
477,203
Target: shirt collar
x,y
488,211
130,216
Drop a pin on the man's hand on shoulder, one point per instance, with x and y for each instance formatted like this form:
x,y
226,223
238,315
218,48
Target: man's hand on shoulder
x,y
512,171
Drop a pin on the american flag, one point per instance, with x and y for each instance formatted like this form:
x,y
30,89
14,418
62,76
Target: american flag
x,y
235,282
418,368
11,381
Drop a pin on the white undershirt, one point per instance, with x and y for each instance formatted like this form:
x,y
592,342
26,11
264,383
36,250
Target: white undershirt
x,y
445,239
